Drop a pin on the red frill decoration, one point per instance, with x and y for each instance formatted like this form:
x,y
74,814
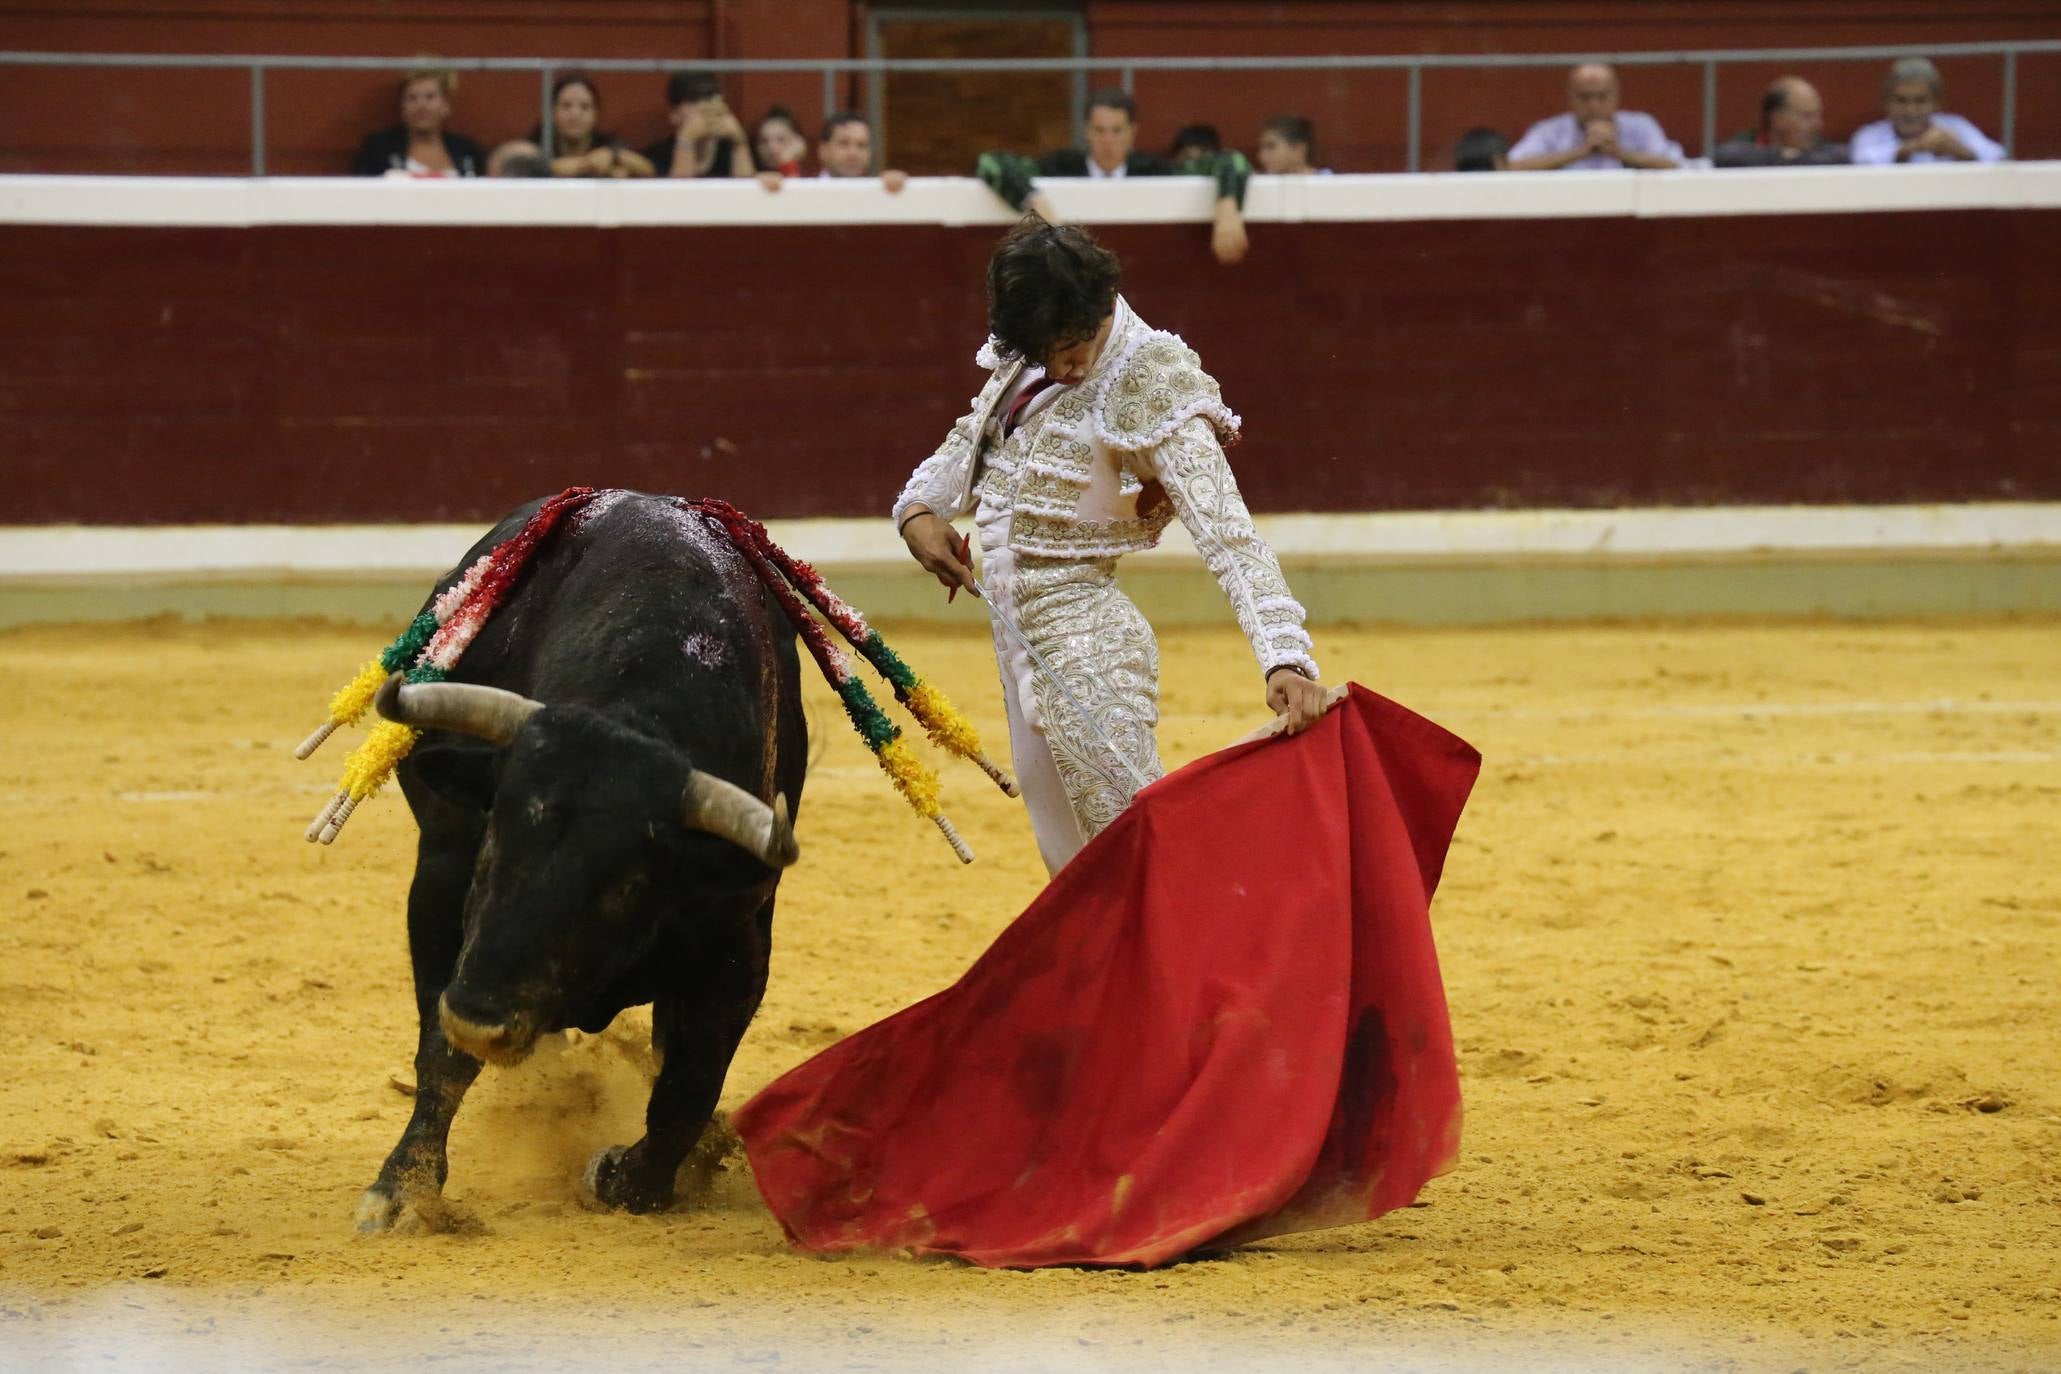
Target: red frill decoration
x,y
776,570
508,560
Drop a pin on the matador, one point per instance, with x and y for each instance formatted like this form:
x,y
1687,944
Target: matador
x,y
1093,432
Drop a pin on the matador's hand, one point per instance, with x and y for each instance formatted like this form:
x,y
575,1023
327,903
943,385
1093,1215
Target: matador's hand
x,y
1296,697
936,545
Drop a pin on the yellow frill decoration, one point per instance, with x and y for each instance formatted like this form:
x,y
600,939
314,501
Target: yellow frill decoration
x,y
374,760
953,733
354,698
912,778
942,722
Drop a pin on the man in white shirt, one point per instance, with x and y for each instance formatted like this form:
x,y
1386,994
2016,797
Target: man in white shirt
x,y
1916,129
1594,133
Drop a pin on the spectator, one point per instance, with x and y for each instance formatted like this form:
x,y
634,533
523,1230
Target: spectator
x,y
1594,133
518,157
777,143
1112,154
1792,131
420,145
1194,142
707,140
1481,150
847,150
578,147
1287,146
1916,131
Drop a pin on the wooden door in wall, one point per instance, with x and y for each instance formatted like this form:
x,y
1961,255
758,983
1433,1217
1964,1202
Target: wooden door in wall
x,y
938,123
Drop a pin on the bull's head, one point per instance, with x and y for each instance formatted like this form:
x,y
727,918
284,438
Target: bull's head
x,y
589,837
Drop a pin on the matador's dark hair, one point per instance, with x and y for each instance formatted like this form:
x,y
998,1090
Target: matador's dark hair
x,y
1049,285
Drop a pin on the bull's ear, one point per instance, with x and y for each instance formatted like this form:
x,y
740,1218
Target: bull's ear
x,y
460,775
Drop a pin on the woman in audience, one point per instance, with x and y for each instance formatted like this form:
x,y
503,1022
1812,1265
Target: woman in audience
x,y
578,147
420,145
777,142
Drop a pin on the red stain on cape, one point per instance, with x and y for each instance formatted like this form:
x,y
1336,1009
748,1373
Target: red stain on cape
x,y
1223,1020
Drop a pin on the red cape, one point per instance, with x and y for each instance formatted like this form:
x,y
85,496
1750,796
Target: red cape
x,y
1222,1020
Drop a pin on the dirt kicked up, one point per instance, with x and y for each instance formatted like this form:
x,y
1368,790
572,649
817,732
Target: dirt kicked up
x,y
1750,934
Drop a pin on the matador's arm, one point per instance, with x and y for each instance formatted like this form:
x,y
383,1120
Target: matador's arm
x,y
1191,466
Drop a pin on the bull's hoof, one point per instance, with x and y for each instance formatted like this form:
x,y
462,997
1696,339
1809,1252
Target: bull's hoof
x,y
610,1182
382,1211
378,1211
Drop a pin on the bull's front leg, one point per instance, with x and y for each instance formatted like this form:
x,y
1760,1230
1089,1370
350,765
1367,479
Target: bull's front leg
x,y
696,1033
412,1179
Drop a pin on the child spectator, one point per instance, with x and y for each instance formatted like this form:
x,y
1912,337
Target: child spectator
x,y
518,157
1287,147
845,152
777,143
1481,150
1195,142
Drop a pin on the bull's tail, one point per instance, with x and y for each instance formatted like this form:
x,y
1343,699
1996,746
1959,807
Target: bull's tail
x,y
790,581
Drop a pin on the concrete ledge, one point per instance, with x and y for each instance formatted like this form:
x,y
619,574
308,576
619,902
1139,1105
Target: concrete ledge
x,y
250,202
1467,567
1448,594
203,553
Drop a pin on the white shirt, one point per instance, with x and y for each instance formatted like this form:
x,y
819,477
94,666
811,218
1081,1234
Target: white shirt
x,y
1876,144
1095,171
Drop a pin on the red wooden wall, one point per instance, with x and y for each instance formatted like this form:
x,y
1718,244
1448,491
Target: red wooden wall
x,y
346,374
131,121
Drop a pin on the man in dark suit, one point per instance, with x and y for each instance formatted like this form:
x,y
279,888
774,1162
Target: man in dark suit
x,y
1111,154
1791,134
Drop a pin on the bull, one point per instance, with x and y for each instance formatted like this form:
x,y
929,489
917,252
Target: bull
x,y
602,791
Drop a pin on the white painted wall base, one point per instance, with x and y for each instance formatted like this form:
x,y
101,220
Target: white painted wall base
x,y
60,554
1467,567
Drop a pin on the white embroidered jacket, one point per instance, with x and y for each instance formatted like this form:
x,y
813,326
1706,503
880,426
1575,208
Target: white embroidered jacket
x,y
1146,420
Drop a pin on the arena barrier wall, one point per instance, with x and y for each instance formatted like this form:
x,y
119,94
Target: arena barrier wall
x,y
1562,347
199,122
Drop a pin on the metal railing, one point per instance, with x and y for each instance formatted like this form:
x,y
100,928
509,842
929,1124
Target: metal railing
x,y
1126,68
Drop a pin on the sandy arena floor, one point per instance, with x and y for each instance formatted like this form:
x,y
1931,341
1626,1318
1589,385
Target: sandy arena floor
x,y
1751,937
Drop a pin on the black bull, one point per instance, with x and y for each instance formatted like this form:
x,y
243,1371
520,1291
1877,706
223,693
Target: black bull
x,y
596,833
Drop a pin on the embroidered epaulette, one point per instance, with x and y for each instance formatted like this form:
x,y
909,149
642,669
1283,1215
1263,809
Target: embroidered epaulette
x,y
1155,388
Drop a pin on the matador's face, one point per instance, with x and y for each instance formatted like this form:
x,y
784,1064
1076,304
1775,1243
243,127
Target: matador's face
x,y
1070,364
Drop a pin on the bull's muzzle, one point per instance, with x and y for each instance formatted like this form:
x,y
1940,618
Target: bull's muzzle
x,y
504,1044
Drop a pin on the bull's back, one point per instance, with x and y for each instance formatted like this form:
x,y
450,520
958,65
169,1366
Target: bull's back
x,y
642,610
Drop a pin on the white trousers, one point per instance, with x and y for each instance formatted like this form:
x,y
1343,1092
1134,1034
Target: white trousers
x,y
1081,729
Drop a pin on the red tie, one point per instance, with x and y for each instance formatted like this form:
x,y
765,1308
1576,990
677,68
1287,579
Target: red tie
x,y
1037,388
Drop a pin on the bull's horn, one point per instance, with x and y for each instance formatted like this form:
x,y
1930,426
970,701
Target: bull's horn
x,y
728,812
488,713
